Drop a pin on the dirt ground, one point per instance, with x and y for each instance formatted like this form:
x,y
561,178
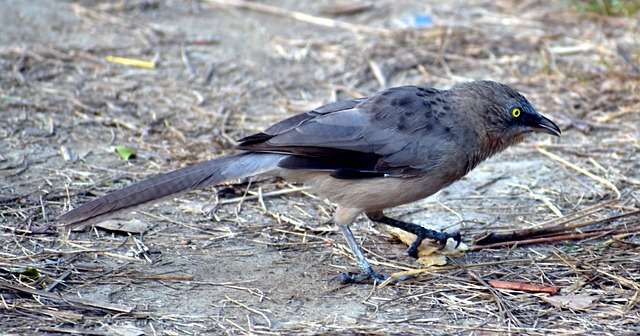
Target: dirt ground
x,y
263,256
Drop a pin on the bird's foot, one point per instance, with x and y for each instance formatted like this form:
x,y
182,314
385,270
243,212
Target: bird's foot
x,y
421,232
361,277
441,237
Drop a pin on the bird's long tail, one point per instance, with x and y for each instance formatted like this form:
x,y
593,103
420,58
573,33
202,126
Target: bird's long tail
x,y
153,189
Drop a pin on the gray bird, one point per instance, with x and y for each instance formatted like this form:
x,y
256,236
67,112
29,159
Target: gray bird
x,y
394,147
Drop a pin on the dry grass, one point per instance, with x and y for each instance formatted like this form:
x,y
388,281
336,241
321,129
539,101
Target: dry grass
x,y
259,262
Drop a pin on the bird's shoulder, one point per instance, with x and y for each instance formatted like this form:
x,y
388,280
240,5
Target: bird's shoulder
x,y
405,97
297,120
408,108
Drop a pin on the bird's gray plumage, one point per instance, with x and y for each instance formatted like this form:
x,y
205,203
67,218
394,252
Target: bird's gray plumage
x,y
393,147
158,187
402,131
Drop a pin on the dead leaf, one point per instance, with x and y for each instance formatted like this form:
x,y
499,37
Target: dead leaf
x,y
571,301
429,252
432,260
132,226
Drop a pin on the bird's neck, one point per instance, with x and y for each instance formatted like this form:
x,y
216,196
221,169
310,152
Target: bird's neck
x,y
489,146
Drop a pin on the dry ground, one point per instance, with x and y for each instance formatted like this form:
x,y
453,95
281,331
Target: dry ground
x,y
264,265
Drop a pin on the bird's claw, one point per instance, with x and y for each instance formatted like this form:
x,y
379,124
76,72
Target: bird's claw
x,y
412,251
361,277
457,237
440,237
442,241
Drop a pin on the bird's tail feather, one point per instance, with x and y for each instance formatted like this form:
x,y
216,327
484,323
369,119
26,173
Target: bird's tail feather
x,y
192,177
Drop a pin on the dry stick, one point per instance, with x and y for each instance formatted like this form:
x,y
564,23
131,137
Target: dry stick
x,y
523,234
316,20
580,170
548,226
67,298
523,286
255,311
504,310
549,239
167,277
268,194
58,281
73,331
347,8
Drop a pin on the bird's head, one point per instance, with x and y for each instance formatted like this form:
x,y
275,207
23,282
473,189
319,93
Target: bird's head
x,y
504,112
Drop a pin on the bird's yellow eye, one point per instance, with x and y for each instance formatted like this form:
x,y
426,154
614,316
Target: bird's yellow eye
x,y
515,112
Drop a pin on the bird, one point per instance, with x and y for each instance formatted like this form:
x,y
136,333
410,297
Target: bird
x,y
368,154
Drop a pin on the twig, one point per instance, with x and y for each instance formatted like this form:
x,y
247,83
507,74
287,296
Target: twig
x,y
58,281
168,277
184,55
523,286
67,298
378,74
267,194
580,170
316,20
255,311
561,237
73,331
529,233
496,296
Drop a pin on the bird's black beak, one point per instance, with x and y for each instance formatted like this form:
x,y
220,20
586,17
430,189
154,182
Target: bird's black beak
x,y
543,124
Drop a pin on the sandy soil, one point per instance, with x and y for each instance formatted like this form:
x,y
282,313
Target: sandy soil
x,y
267,266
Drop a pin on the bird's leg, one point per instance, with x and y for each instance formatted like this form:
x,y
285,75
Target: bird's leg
x,y
421,232
367,270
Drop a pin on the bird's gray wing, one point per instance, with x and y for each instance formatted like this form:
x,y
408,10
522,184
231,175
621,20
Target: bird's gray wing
x,y
398,131
291,123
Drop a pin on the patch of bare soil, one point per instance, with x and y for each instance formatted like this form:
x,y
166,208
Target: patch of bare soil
x,y
262,259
